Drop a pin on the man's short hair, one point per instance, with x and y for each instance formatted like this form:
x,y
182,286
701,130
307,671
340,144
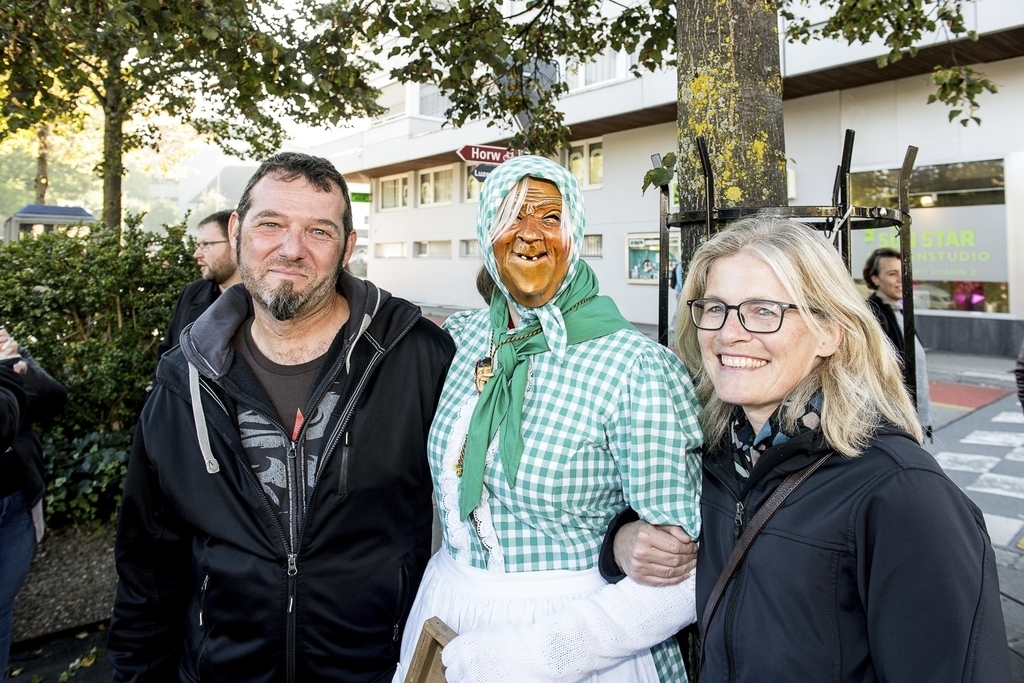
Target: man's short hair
x,y
220,218
873,263
287,166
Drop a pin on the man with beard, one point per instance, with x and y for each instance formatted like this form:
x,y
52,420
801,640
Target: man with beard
x,y
216,259
276,518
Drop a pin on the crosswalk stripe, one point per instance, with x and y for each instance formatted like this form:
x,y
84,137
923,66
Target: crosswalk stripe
x,y
1014,417
1017,454
1002,530
1000,485
985,438
966,462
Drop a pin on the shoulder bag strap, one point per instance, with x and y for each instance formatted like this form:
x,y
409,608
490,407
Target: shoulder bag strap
x,y
739,551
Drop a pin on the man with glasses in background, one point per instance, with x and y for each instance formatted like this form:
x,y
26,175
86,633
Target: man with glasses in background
x,y
219,268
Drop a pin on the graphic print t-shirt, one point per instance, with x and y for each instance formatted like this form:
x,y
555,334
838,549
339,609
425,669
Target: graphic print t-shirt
x,y
285,467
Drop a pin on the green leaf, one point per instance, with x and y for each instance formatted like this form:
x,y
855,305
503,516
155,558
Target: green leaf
x,y
657,177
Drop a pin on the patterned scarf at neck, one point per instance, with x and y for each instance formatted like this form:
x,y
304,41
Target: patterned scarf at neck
x,y
587,316
747,447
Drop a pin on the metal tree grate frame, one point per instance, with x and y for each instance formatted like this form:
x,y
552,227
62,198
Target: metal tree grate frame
x,y
837,220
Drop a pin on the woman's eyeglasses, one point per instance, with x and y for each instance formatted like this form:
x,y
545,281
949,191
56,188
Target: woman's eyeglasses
x,y
757,315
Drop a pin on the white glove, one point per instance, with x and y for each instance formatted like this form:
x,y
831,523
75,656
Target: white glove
x,y
588,635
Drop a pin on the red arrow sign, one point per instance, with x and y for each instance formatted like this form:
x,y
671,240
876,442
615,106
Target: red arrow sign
x,y
483,153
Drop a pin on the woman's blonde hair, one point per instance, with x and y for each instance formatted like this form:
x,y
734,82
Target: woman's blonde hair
x,y
861,382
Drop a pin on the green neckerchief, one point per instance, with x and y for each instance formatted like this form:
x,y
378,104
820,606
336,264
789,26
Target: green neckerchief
x,y
587,316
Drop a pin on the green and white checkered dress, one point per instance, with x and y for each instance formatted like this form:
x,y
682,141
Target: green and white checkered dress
x,y
611,424
606,423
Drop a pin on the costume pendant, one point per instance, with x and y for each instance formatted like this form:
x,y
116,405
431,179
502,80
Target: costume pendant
x,y
483,372
462,456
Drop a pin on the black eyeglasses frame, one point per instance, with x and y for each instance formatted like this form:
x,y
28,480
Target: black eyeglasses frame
x,y
781,304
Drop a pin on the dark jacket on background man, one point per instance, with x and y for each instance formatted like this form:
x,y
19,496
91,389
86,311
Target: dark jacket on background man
x,y
193,302
877,568
211,587
887,319
21,465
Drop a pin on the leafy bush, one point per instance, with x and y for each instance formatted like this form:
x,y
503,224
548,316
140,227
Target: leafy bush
x,y
92,307
85,476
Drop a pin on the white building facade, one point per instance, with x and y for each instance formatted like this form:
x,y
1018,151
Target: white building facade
x,y
967,192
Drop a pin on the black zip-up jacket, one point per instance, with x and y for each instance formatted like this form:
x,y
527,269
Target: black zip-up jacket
x,y
193,302
878,568
209,588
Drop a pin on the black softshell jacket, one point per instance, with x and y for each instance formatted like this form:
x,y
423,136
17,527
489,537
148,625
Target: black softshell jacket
x,y
208,589
878,568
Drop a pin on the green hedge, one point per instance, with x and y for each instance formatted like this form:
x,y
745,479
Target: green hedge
x,y
92,307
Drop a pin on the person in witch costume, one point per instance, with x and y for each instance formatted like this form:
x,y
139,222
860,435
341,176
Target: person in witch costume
x,y
555,414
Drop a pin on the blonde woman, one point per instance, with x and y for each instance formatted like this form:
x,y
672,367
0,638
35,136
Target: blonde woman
x,y
877,568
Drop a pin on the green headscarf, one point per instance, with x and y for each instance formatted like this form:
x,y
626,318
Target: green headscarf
x,y
575,314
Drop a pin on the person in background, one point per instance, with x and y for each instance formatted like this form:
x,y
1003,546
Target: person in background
x,y
219,269
883,273
877,567
556,411
21,478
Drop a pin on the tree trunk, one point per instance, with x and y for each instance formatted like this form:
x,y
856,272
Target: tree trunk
x,y
42,162
112,167
730,92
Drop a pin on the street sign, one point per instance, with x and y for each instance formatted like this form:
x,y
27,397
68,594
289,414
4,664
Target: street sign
x,y
481,171
491,155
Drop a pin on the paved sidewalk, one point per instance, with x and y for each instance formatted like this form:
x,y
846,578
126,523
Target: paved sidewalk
x,y
979,442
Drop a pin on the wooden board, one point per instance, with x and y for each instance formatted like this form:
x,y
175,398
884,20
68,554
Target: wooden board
x,y
426,666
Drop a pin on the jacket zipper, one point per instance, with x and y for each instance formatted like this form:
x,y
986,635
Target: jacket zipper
x,y
293,570
402,600
202,599
343,477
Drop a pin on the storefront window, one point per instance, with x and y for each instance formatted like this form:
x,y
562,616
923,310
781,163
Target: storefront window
x,y
643,256
958,233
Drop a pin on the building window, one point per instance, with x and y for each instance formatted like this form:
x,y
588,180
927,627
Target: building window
x,y
392,98
469,248
593,246
586,161
958,237
515,7
389,249
394,192
436,186
605,67
433,102
432,249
